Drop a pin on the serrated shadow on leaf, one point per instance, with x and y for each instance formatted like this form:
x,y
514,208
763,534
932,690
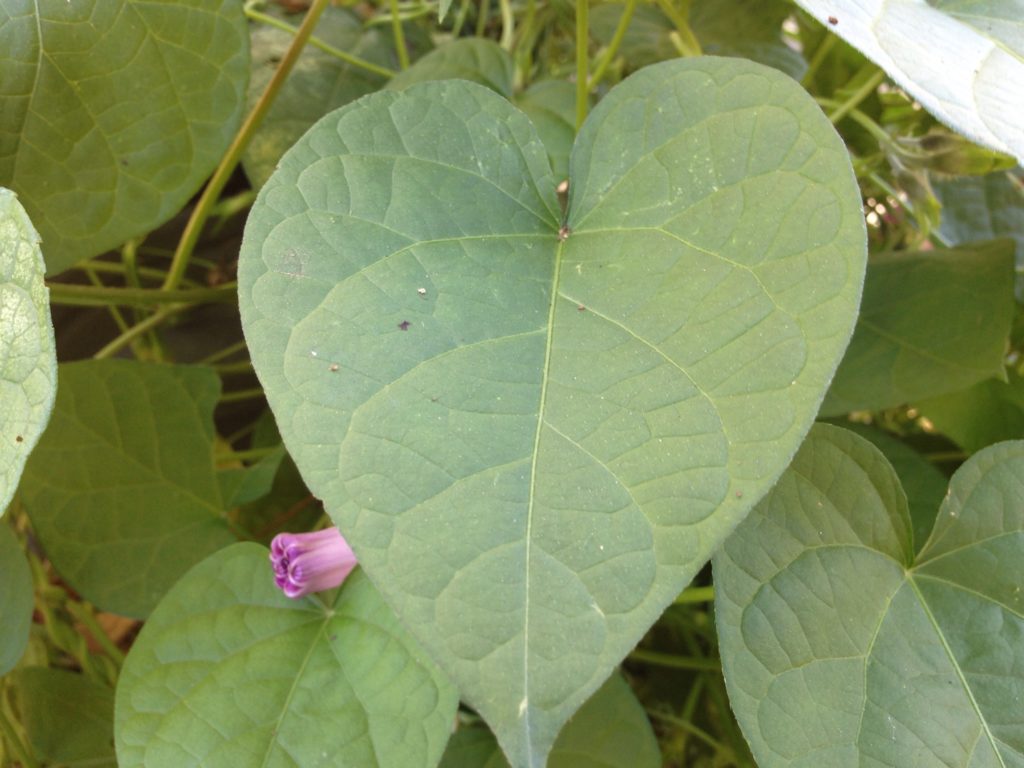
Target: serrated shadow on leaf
x,y
533,438
841,648
113,113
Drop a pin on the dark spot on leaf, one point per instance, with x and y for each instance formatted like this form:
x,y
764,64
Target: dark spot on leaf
x,y
333,368
833,20
404,325
19,439
563,233
581,308
739,494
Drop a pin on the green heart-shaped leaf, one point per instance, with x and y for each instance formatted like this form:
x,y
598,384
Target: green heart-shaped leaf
x,y
841,648
229,672
533,436
113,113
28,356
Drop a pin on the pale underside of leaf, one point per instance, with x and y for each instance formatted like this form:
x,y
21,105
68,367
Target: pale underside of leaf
x,y
964,61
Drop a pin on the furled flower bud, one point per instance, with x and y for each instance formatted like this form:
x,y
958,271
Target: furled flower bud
x,y
310,562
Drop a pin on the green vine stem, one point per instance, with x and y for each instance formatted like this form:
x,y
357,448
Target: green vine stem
x,y
399,34
189,238
613,47
684,40
105,295
693,595
83,613
316,42
857,97
241,394
697,663
17,746
162,314
582,61
508,25
693,730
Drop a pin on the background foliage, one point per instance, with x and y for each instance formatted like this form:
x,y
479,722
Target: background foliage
x,y
535,411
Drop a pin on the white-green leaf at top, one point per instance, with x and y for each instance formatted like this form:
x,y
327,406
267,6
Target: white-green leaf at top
x,y
534,435
28,358
843,649
962,59
113,113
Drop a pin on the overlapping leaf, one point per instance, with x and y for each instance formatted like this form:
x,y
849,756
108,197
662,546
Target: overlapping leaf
x,y
113,113
16,600
931,322
962,59
532,435
229,672
122,489
28,359
842,648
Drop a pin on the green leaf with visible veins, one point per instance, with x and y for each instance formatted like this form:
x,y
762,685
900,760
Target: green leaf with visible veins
x,y
931,322
113,113
472,58
122,489
533,437
16,600
610,731
841,648
229,672
28,357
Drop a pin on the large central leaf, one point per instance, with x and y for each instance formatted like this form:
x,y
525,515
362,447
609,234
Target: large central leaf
x,y
533,435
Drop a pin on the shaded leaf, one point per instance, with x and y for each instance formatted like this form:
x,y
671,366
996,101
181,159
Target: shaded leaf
x,y
841,648
16,600
981,415
930,322
69,719
243,485
923,484
113,114
537,436
610,730
984,208
319,83
228,671
962,59
28,358
122,489
469,58
551,107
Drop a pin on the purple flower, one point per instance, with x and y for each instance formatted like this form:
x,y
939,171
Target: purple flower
x,y
310,562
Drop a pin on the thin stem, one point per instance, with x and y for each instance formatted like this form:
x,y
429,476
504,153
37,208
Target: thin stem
x,y
253,454
582,62
613,47
115,313
686,42
508,25
696,595
241,394
675,662
220,177
84,614
114,268
225,369
17,745
228,351
140,328
316,42
483,17
820,54
102,296
399,35
857,97
685,725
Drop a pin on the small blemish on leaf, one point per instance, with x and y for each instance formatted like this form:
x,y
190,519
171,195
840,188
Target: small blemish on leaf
x,y
833,20
421,291
404,325
580,308
19,439
739,494
334,368
563,233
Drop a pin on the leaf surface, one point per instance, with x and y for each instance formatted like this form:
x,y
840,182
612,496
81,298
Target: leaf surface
x,y
122,489
228,671
533,440
986,413
16,600
469,58
112,114
28,357
69,719
962,59
841,648
931,322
